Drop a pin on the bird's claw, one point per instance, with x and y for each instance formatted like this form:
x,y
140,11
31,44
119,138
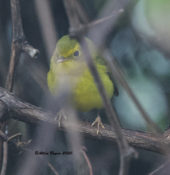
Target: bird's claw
x,y
99,124
60,117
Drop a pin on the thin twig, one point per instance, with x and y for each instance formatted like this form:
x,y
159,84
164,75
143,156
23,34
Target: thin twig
x,y
3,110
162,168
125,150
85,27
52,168
31,114
4,152
19,43
118,75
5,156
104,19
3,135
14,136
88,161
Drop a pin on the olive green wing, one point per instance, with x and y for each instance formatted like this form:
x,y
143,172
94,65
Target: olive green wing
x,y
101,62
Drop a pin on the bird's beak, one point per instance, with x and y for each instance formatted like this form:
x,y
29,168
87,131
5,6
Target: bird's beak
x,y
61,59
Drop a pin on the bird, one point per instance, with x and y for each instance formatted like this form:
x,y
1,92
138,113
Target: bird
x,y
68,64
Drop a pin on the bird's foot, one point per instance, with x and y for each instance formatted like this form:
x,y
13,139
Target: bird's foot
x,y
99,124
61,115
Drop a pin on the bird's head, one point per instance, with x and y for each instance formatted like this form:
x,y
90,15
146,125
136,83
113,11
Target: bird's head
x,y
70,49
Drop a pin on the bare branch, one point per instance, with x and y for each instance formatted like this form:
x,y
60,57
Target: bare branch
x,y
96,23
5,155
11,71
3,110
14,136
118,75
87,160
19,43
3,135
52,168
162,169
31,114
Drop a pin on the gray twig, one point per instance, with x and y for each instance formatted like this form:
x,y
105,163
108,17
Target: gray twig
x,y
3,135
14,136
5,155
118,75
52,168
83,28
162,169
87,160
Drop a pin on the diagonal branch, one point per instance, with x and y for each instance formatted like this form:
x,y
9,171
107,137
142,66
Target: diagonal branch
x,y
163,169
82,29
126,152
118,75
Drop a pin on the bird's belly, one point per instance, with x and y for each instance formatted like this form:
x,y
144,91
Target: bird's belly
x,y
86,95
83,88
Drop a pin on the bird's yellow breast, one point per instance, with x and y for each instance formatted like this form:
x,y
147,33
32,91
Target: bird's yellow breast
x,y
85,95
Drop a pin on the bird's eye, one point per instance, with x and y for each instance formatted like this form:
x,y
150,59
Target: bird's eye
x,y
76,53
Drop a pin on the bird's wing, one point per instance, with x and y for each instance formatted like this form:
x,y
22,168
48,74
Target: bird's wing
x,y
101,64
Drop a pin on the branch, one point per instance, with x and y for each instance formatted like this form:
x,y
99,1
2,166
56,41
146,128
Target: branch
x,y
52,168
5,156
83,28
87,160
162,169
19,43
31,114
118,75
3,136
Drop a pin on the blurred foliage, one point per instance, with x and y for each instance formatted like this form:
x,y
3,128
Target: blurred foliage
x,y
150,20
144,68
